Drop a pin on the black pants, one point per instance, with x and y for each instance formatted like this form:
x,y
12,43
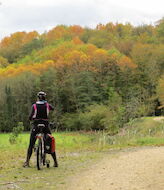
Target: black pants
x,y
35,130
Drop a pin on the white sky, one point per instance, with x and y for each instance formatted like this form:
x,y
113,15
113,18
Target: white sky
x,y
42,15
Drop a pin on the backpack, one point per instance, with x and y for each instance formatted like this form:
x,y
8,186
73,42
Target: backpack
x,y
49,144
35,109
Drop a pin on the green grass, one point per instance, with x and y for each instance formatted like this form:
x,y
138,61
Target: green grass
x,y
66,141
66,144
75,151
145,131
146,126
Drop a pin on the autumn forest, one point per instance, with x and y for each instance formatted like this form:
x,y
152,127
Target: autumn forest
x,y
97,79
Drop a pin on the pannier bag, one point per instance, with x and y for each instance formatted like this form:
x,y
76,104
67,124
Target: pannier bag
x,y
49,144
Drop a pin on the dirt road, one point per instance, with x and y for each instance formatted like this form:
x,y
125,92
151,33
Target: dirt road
x,y
132,169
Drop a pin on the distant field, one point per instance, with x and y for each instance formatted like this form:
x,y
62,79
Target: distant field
x,y
65,141
137,129
141,132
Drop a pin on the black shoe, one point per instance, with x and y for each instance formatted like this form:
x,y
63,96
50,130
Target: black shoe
x,y
55,165
26,164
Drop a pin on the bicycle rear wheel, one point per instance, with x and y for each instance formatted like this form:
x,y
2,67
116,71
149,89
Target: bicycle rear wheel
x,y
39,155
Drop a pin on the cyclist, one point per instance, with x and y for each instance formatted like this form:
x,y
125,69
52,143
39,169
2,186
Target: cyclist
x,y
39,114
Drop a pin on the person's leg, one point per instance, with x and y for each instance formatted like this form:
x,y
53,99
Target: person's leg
x,y
48,131
31,145
55,159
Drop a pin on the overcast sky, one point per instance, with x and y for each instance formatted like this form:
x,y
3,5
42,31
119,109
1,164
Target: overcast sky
x,y
42,15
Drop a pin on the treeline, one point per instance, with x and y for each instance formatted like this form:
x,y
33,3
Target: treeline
x,y
96,78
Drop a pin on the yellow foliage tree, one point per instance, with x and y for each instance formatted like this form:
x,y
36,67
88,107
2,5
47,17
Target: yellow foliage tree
x,y
3,62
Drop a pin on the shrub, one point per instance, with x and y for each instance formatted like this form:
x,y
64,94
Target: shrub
x,y
96,117
13,139
71,121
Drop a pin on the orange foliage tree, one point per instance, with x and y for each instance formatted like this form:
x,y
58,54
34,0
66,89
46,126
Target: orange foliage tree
x,y
57,33
76,30
10,47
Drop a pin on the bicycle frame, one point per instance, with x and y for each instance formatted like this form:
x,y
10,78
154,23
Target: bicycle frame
x,y
40,136
40,154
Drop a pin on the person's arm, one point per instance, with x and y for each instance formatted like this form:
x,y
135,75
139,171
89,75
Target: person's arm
x,y
51,107
32,113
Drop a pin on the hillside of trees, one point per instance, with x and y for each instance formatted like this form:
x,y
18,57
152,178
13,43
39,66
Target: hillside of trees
x,y
96,78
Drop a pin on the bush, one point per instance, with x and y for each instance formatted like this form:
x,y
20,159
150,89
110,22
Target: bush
x,y
13,139
96,117
71,121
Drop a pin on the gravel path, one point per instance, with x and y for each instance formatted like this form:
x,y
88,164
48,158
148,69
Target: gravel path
x,y
132,169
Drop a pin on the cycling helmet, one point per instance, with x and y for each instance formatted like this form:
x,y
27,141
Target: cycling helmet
x,y
41,95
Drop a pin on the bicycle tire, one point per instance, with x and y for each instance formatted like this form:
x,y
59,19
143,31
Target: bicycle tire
x,y
39,155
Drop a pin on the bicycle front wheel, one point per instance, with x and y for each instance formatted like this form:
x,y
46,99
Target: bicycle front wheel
x,y
39,155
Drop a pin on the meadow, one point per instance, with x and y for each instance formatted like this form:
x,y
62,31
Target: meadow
x,y
75,151
66,143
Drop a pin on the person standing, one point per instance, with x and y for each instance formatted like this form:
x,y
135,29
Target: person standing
x,y
39,115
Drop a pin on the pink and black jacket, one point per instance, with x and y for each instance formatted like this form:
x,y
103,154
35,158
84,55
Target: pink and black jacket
x,y
40,110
